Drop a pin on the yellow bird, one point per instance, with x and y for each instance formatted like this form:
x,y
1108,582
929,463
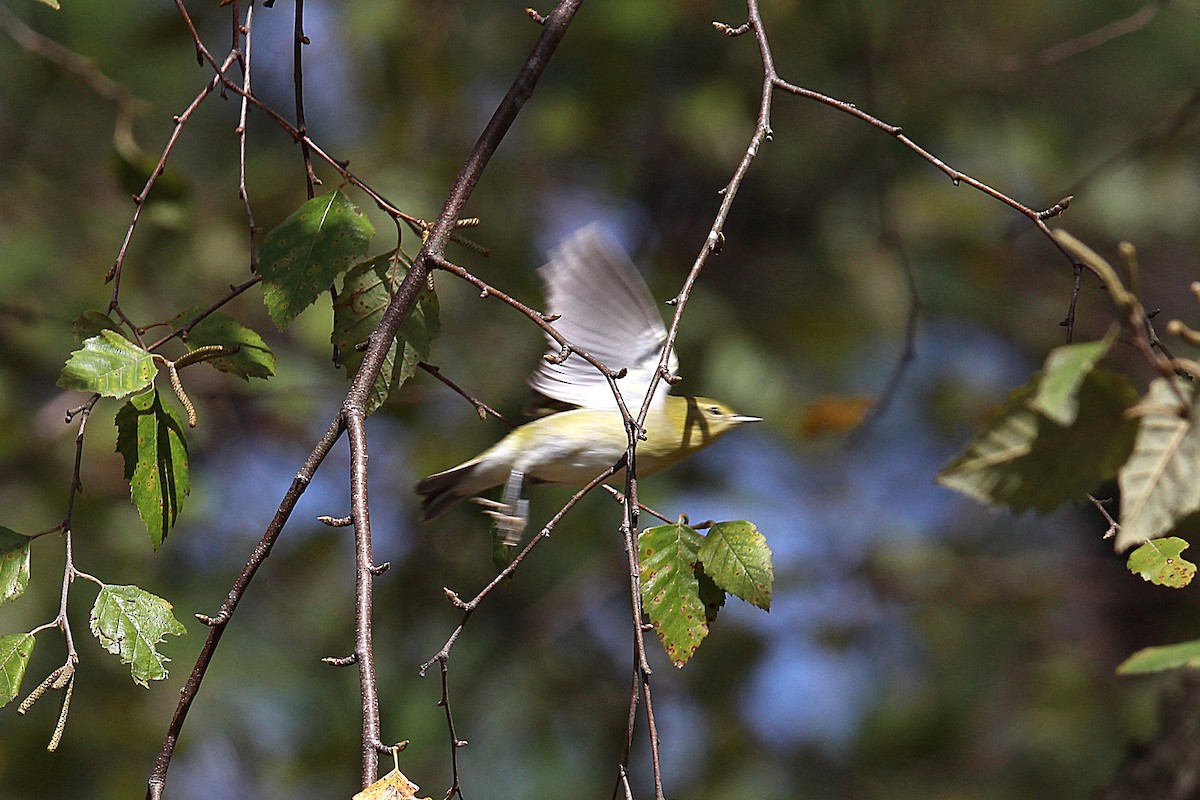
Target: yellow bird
x,y
605,308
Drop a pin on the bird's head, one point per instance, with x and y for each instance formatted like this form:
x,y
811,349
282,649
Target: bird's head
x,y
702,420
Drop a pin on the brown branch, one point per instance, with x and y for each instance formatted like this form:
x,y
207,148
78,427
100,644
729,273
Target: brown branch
x,y
455,789
481,408
620,498
243,193
364,651
185,329
217,624
352,412
468,607
114,272
299,40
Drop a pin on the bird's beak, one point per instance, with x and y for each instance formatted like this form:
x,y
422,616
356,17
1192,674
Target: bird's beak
x,y
738,419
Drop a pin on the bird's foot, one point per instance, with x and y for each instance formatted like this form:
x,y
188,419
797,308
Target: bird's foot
x,y
512,513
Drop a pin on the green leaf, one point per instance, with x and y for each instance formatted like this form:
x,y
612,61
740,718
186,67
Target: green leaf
x,y
1062,376
150,439
92,323
366,291
130,622
671,589
52,3
1025,460
14,564
1159,562
300,259
15,650
735,555
1158,483
253,358
1162,658
108,364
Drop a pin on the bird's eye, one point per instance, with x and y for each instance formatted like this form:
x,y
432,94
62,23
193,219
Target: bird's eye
x,y
714,411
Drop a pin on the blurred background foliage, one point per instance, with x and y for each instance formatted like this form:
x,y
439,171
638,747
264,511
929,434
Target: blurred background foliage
x,y
919,646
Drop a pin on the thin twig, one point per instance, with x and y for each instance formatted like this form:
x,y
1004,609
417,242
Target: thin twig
x,y
481,408
619,496
468,607
139,200
299,40
217,624
455,789
243,193
186,328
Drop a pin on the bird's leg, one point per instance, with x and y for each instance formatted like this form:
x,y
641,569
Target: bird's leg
x,y
512,513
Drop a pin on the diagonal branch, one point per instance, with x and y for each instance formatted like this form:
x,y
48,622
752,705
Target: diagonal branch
x,y
352,413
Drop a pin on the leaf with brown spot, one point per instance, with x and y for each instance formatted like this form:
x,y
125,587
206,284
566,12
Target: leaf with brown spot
x,y
671,589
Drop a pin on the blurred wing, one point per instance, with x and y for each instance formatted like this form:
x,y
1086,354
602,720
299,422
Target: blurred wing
x,y
605,308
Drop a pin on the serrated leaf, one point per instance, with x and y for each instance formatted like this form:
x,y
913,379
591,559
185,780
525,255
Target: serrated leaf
x,y
301,258
110,365
253,358
1062,376
1159,562
1162,658
671,589
735,555
15,650
1024,460
14,564
1158,483
92,323
366,291
150,438
131,622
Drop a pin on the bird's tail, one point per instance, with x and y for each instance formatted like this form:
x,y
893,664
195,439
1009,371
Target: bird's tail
x,y
439,492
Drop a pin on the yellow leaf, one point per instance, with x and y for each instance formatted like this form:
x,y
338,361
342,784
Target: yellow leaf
x,y
393,786
834,414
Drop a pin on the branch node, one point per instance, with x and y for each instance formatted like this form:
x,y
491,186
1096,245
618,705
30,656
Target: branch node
x,y
1056,209
340,661
731,31
212,622
716,240
454,599
561,357
535,16
335,522
379,569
